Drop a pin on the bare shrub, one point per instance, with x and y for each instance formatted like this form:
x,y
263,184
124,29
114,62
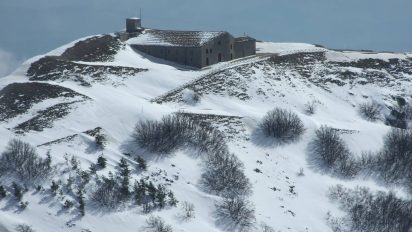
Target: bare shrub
x,y
370,111
188,210
176,131
329,152
367,211
238,212
394,162
282,125
157,224
108,193
266,228
310,107
224,175
21,158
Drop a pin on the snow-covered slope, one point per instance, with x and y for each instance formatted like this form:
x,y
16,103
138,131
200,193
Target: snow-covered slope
x,y
55,106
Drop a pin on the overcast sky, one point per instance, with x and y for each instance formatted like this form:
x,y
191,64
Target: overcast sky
x,y
31,27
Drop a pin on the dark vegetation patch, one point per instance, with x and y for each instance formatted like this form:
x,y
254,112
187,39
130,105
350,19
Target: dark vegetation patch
x,y
177,131
231,127
395,67
329,153
98,48
17,98
370,111
45,118
282,125
223,172
93,132
391,165
21,159
368,211
52,68
297,59
400,114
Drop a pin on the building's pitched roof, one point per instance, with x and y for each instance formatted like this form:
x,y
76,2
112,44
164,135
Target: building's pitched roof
x,y
175,38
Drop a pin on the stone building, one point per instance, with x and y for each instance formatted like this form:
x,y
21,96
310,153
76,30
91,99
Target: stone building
x,y
191,48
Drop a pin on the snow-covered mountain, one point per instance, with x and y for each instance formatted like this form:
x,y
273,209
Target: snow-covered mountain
x,y
62,101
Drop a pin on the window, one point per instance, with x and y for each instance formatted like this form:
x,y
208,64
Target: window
x,y
207,60
219,42
207,51
231,56
210,51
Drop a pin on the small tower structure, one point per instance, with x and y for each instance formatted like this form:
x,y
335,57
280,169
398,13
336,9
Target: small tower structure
x,y
133,25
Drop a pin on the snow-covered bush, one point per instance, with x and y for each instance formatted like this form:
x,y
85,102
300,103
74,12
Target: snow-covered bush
x,y
107,193
394,162
266,228
370,111
190,97
224,175
329,153
101,141
188,210
176,131
20,158
157,224
367,211
24,228
283,125
237,212
310,107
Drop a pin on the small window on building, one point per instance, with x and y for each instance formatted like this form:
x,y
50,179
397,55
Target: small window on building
x,y
207,60
211,51
219,42
207,51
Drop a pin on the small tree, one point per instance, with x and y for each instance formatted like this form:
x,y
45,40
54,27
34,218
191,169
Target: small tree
x,y
101,141
18,191
80,199
54,187
141,163
161,196
172,199
124,174
2,192
139,190
48,160
68,204
101,161
74,163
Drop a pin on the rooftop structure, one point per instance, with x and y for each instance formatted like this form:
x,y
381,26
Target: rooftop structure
x,y
192,48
